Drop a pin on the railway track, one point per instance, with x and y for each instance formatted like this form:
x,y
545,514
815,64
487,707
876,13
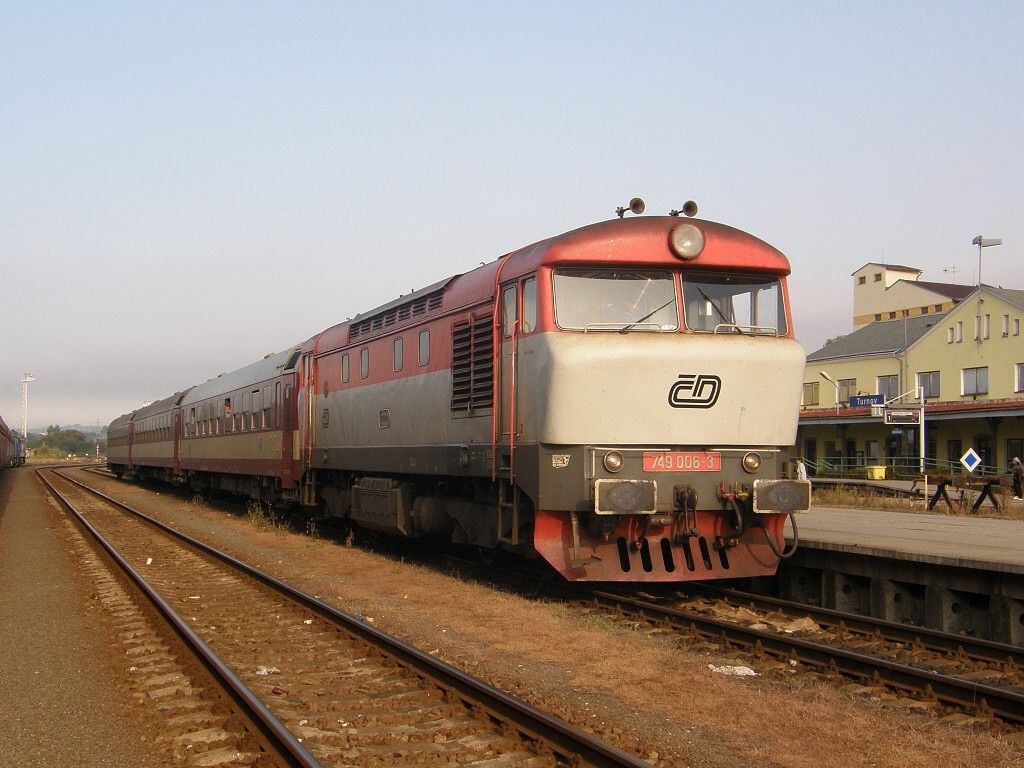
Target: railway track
x,y
873,660
318,686
975,676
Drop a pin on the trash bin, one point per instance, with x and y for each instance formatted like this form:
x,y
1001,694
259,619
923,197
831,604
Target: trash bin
x,y
876,473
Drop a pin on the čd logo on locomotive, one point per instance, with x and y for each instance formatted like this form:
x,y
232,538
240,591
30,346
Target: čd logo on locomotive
x,y
695,390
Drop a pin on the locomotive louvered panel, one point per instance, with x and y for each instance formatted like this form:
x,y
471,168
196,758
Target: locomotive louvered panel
x,y
472,365
396,315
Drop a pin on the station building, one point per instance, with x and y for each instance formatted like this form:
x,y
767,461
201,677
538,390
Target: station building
x,y
961,344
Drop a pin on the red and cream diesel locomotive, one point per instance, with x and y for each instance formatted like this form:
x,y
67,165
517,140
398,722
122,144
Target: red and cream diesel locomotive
x,y
618,400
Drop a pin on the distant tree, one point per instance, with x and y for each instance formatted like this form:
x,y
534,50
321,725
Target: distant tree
x,y
59,443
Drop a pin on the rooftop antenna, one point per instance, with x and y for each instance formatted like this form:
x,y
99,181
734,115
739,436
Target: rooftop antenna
x,y
951,271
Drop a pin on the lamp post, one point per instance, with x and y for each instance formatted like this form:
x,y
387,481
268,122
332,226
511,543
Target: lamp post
x,y
25,379
984,242
826,377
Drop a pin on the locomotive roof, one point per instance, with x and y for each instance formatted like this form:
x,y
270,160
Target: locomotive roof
x,y
260,371
640,240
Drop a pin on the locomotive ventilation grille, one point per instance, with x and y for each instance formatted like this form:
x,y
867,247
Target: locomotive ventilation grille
x,y
472,365
696,552
394,315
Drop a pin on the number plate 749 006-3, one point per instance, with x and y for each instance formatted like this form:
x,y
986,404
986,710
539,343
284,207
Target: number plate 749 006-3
x,y
683,461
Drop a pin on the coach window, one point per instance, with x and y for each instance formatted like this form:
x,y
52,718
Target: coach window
x,y
529,304
424,347
508,310
344,368
398,355
254,422
266,407
245,409
277,404
364,362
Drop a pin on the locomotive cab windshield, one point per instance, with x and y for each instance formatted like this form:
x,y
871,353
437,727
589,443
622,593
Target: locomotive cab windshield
x,y
718,303
615,300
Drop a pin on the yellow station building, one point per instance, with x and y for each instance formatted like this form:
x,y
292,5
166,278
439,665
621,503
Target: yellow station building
x,y
961,345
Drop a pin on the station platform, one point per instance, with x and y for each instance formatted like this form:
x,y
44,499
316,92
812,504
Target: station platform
x,y
958,541
955,573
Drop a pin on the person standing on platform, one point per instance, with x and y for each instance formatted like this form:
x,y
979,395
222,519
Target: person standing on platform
x,y
1018,479
801,470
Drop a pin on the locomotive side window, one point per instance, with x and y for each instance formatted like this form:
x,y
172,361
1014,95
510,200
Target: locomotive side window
x,y
529,304
733,303
508,310
398,361
344,368
424,347
364,362
615,300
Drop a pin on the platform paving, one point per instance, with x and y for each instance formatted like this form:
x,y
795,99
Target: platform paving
x,y
964,541
60,706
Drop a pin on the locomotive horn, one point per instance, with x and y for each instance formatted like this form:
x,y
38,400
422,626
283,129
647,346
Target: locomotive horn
x,y
689,209
636,207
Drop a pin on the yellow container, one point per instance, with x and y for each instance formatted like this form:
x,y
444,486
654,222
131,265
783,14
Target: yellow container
x,y
876,473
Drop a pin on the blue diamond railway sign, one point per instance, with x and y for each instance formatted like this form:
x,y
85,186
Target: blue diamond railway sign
x,y
971,460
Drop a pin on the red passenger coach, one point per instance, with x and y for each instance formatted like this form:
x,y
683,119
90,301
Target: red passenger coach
x,y
618,400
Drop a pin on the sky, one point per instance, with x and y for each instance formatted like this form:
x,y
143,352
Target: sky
x,y
186,187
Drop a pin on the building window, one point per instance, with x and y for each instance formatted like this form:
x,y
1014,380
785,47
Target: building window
x,y
924,310
986,325
938,307
424,347
1019,378
1006,325
949,335
1014,448
892,315
905,313
364,362
878,316
810,396
889,387
878,277
862,279
929,382
959,331
847,387
344,368
398,361
977,327
871,451
975,381
1016,326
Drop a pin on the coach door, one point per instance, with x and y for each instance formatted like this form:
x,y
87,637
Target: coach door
x,y
518,315
308,421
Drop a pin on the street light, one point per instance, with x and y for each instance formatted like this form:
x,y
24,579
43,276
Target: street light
x,y
826,377
984,242
26,379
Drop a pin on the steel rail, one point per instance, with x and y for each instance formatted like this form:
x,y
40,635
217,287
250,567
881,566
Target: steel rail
x,y
567,740
952,690
272,731
931,639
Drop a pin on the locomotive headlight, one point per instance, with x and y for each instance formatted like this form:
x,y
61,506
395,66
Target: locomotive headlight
x,y
686,241
613,461
752,462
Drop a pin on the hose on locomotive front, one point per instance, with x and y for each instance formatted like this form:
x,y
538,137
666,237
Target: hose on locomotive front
x,y
796,540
